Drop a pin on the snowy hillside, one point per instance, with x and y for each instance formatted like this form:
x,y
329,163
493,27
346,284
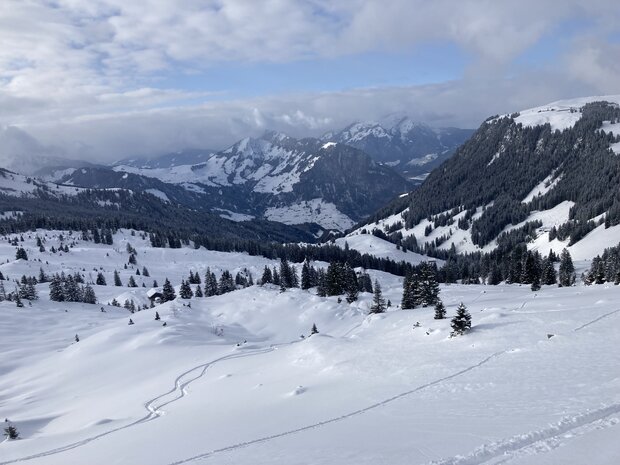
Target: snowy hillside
x,y
18,185
545,178
562,114
230,380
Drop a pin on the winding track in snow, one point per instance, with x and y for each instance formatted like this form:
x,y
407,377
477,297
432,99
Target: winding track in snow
x,y
338,418
180,385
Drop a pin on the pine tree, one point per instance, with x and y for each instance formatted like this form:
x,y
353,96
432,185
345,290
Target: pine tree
x,y
130,322
185,291
306,280
131,282
18,301
2,291
440,310
145,271
408,301
567,270
198,291
210,284
461,321
11,432
88,295
321,289
168,292
266,278
378,302
77,338
157,318
549,276
429,288
100,279
21,254
42,276
117,279
226,283
314,329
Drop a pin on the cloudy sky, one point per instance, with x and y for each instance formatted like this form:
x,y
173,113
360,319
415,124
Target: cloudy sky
x,y
104,79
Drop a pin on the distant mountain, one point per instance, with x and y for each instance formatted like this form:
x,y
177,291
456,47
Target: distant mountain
x,y
544,178
413,149
275,177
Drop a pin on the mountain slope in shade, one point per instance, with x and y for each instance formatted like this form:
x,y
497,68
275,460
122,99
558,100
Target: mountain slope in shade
x,y
277,177
413,149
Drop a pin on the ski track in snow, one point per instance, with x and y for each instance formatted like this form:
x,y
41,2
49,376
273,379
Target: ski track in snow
x,y
546,436
595,320
154,412
338,418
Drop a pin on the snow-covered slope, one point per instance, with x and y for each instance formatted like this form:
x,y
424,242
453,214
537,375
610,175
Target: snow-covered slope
x,y
18,185
562,114
229,380
514,171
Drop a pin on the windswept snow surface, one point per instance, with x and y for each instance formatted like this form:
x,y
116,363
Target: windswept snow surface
x,y
562,114
230,381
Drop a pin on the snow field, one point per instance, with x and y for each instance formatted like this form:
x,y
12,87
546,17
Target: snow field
x,y
230,381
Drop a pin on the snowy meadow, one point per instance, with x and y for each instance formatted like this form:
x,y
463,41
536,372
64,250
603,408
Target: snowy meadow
x,y
238,379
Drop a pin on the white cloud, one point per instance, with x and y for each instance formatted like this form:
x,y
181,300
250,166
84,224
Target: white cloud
x,y
86,73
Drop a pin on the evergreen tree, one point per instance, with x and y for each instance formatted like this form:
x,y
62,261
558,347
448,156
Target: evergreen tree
x,y
11,432
321,288
2,291
408,301
198,291
440,310
185,291
77,338
100,279
306,280
378,302
145,271
461,321
18,301
567,269
42,276
335,279
21,254
117,279
429,288
210,283
314,329
549,276
226,283
131,282
157,318
168,293
266,278
88,295
132,259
